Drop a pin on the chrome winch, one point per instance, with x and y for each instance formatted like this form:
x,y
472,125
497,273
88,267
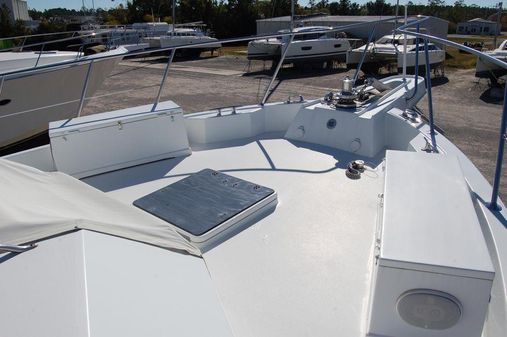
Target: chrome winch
x,y
348,96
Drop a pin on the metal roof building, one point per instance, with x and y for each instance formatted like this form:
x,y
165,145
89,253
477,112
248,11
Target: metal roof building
x,y
434,26
478,26
18,9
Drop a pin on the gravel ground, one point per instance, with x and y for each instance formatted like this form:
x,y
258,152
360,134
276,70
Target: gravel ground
x,y
462,104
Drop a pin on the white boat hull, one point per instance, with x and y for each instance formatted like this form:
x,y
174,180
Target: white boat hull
x,y
436,57
28,102
486,69
171,41
264,49
299,51
11,61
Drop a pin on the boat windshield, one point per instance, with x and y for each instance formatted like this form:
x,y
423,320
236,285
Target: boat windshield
x,y
421,48
311,36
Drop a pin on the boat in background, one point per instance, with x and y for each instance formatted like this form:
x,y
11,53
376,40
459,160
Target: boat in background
x,y
486,69
314,44
17,60
30,99
389,49
189,37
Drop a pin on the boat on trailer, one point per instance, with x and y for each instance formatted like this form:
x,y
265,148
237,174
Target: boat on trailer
x,y
390,49
315,43
485,69
346,215
190,36
40,89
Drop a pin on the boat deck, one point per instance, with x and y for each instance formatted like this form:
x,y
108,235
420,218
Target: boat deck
x,y
317,244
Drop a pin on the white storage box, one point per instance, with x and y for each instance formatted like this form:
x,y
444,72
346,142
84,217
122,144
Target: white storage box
x,y
433,273
113,140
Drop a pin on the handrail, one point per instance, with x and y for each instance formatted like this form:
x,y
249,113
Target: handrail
x,y
430,96
416,68
73,37
493,205
370,38
278,66
16,248
402,29
38,35
164,77
201,44
85,88
475,52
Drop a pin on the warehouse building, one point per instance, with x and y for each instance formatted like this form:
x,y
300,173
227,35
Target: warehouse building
x,y
433,25
478,26
18,9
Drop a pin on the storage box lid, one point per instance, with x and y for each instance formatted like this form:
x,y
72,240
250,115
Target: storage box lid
x,y
429,220
90,122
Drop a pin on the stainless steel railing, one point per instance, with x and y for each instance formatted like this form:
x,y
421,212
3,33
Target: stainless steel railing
x,y
402,29
493,205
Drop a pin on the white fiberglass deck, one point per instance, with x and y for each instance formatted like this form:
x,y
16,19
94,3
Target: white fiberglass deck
x,y
305,268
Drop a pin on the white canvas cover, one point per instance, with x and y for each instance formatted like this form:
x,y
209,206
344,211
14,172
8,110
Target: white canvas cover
x,y
35,205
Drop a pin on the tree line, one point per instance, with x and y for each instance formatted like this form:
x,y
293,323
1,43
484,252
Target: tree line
x,y
232,18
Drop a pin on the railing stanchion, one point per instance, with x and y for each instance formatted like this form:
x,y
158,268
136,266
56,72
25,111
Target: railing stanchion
x,y
279,65
23,44
499,156
85,88
430,97
166,71
405,48
416,66
40,54
2,80
363,56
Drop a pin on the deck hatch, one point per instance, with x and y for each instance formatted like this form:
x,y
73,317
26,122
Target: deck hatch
x,y
203,201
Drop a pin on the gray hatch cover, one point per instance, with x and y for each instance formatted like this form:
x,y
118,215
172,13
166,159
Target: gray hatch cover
x,y
203,200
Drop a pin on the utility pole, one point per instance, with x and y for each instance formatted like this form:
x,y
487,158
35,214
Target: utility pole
x,y
498,24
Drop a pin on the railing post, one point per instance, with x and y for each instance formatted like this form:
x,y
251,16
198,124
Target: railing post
x,y
2,80
40,54
166,71
282,58
499,156
430,97
416,66
85,88
405,48
23,44
363,56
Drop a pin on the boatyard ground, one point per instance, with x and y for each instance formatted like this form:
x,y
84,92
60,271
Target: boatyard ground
x,y
466,109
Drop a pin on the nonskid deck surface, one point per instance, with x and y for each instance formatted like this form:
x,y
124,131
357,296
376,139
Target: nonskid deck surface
x,y
308,261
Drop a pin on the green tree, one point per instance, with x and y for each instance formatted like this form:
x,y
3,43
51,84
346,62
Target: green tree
x,y
379,7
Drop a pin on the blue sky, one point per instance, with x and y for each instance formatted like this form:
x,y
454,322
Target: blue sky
x,y
76,4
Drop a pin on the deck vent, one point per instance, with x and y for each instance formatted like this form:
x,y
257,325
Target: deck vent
x,y
206,204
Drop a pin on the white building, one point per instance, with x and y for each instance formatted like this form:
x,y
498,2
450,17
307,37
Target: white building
x,y
478,26
18,9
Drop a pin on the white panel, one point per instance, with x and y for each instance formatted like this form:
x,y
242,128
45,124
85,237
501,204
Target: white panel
x,y
350,126
118,139
431,243
39,157
140,290
429,218
42,291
